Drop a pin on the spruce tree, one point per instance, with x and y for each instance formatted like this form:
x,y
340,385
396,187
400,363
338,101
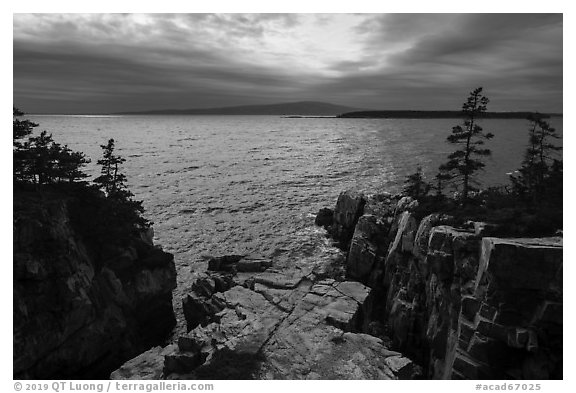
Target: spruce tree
x,y
126,211
40,159
539,165
70,164
111,180
462,164
21,129
415,186
49,162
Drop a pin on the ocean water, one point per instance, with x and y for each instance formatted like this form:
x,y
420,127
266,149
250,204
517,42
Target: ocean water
x,y
216,185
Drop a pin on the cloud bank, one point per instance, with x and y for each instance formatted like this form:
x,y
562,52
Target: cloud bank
x,y
99,63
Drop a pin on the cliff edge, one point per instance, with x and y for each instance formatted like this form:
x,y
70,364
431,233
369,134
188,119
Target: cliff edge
x,y
457,300
82,305
421,299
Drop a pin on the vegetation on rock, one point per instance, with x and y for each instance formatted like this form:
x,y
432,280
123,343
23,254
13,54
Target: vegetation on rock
x,y
415,186
540,177
103,212
39,159
463,163
530,206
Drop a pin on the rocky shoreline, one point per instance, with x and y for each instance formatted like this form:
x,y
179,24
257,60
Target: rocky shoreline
x,y
462,304
421,299
291,324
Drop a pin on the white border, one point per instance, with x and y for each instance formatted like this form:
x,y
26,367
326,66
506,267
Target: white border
x,y
299,6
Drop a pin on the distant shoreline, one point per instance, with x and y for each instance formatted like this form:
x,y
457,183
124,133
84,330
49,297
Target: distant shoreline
x,y
348,115
408,114
308,110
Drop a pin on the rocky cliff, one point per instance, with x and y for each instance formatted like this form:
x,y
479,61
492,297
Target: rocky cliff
x,y
421,299
82,308
460,303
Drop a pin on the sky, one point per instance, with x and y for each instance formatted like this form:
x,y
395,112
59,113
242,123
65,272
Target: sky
x,y
103,63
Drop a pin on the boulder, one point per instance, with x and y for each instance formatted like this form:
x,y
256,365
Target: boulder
x,y
456,247
199,305
406,203
422,237
349,208
338,303
253,263
405,234
200,310
147,365
239,263
324,218
177,360
224,263
485,229
367,245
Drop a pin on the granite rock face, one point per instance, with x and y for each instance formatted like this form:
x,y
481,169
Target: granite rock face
x,y
349,208
511,327
276,324
438,302
461,305
78,314
369,235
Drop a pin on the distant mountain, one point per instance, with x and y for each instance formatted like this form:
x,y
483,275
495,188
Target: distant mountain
x,y
408,114
303,108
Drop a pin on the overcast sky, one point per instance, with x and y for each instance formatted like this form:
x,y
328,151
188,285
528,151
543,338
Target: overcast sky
x,y
97,63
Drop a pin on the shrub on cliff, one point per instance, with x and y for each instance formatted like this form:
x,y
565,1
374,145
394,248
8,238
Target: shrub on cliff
x,y
531,206
45,171
415,185
21,128
104,223
113,183
539,179
39,159
500,206
111,180
463,163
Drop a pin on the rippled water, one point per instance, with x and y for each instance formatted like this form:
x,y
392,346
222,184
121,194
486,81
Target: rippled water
x,y
235,184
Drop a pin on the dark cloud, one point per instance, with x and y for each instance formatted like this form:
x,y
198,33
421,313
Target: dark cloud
x,y
101,63
129,82
95,74
486,35
516,57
